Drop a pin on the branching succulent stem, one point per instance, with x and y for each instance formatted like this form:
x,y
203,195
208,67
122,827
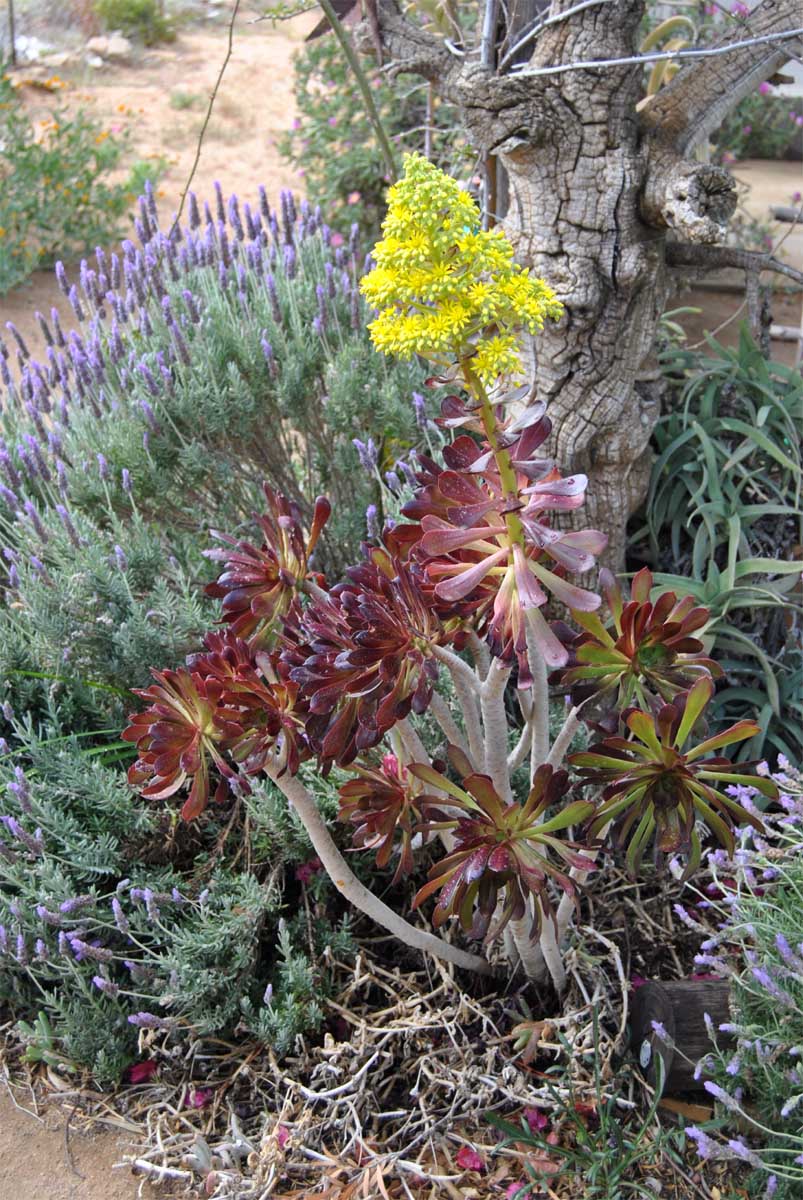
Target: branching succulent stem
x,y
355,892
494,720
442,714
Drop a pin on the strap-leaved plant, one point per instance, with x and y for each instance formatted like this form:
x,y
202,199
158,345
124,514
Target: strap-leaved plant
x,y
338,673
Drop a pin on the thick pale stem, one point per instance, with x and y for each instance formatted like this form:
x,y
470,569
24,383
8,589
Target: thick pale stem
x,y
467,690
528,950
480,653
540,715
549,946
494,719
564,739
442,714
414,746
358,895
521,749
566,907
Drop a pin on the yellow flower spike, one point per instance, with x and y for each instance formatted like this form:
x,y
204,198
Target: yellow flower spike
x,y
444,287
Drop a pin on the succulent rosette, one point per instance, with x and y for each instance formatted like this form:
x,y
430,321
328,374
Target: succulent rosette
x,y
185,730
491,545
363,657
260,582
655,790
647,651
384,801
502,848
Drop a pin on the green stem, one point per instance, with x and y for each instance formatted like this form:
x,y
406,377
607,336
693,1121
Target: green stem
x,y
364,86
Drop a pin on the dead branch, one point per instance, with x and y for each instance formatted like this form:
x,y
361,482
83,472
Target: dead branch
x,y
695,199
715,258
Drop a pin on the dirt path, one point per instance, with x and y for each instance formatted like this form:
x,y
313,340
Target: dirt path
x,y
38,1163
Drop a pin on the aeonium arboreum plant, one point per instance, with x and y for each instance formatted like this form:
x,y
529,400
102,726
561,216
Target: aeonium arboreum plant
x,y
341,673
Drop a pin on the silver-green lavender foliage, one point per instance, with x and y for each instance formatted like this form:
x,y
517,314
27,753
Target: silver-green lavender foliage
x,y
205,359
102,934
757,1083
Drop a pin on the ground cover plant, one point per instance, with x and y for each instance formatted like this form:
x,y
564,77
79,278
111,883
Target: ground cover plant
x,y
335,673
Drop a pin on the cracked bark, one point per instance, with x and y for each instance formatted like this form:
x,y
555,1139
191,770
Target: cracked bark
x,y
594,187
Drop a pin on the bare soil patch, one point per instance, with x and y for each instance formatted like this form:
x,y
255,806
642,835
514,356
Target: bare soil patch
x,y
40,1161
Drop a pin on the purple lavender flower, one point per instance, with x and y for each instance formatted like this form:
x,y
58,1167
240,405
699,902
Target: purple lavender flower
x,y
120,919
61,278
106,986
86,950
75,903
366,452
720,1094
125,481
264,207
743,1151
234,218
706,1147
22,956
43,325
372,522
49,917
19,339
75,303
146,1020
40,950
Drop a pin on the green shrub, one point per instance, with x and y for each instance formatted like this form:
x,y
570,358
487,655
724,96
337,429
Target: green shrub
x,y
55,198
723,519
143,19
333,144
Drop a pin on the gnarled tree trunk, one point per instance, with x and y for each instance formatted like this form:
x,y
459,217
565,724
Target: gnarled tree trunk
x,y
597,191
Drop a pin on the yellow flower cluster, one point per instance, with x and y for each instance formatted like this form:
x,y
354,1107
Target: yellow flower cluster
x,y
445,288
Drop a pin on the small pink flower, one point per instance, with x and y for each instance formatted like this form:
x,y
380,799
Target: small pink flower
x,y
469,1160
747,130
282,1136
337,239
637,981
296,123
141,1072
199,1097
306,871
765,88
535,1119
376,83
515,1191
799,121
332,120
354,198
740,10
797,197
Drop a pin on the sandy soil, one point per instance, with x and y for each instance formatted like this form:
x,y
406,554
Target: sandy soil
x,y
37,1161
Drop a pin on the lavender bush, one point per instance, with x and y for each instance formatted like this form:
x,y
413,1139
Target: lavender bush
x,y
204,359
757,1084
103,941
